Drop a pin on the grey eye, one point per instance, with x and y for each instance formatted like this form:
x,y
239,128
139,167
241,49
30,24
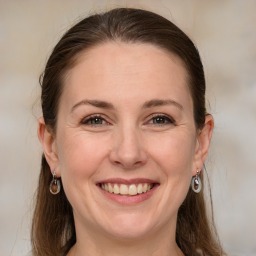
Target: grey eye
x,y
161,120
94,120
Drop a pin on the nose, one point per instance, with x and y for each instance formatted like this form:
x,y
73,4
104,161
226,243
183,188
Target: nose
x,y
127,150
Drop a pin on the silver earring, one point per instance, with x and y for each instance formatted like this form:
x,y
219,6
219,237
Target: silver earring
x,y
55,184
196,183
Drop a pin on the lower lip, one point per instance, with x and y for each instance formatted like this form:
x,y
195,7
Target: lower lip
x,y
129,200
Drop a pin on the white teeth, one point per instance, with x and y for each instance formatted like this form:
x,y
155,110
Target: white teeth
x,y
132,190
145,188
124,189
116,189
110,189
106,187
139,189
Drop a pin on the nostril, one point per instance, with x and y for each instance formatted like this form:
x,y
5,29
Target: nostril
x,y
131,164
117,163
128,153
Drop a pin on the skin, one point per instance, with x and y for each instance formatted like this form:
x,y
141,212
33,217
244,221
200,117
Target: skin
x,y
126,141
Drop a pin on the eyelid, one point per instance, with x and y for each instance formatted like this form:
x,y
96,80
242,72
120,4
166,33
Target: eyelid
x,y
170,120
161,115
90,117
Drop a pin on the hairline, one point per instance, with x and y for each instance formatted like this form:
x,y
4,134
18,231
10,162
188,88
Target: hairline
x,y
77,58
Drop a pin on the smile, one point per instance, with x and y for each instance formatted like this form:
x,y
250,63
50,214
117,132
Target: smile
x,y
125,189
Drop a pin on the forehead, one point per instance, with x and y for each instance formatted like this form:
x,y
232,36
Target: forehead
x,y
126,68
122,54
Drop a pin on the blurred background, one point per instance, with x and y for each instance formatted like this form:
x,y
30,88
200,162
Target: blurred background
x,y
225,34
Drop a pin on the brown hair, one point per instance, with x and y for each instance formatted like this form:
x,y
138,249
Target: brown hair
x,y
53,231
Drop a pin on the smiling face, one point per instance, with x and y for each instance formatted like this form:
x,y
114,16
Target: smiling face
x,y
126,144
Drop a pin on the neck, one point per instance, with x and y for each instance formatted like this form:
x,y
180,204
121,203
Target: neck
x,y
117,249
154,244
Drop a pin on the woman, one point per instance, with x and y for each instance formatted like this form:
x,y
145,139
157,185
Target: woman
x,y
125,135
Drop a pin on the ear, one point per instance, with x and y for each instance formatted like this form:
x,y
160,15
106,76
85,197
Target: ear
x,y
203,143
48,142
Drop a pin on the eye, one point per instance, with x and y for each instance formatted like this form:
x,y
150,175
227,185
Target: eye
x,y
160,119
95,120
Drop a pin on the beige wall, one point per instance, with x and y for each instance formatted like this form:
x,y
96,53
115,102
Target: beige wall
x,y
226,36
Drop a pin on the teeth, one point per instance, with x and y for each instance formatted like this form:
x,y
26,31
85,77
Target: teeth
x,y
110,189
124,189
144,188
132,190
139,189
116,189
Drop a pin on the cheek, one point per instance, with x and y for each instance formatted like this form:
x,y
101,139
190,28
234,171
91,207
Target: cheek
x,y
80,155
174,152
80,158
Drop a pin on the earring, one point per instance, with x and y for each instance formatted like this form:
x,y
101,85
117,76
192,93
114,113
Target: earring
x,y
55,185
196,183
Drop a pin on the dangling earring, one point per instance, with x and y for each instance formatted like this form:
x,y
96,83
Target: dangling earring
x,y
196,183
54,185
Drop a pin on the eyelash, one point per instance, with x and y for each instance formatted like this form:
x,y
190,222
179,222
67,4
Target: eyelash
x,y
167,120
87,120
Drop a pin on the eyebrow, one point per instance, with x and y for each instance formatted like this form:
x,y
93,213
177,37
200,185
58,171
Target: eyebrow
x,y
147,104
159,102
95,103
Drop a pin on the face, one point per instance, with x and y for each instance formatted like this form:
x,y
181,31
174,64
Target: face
x,y
126,145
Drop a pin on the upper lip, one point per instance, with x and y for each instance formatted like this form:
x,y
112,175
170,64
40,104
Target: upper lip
x,y
128,181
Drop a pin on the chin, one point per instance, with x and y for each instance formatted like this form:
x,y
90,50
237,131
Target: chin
x,y
129,232
130,226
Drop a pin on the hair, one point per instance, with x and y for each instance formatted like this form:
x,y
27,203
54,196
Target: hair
x,y
53,230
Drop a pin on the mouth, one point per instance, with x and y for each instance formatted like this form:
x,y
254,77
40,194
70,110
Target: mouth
x,y
122,189
128,192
